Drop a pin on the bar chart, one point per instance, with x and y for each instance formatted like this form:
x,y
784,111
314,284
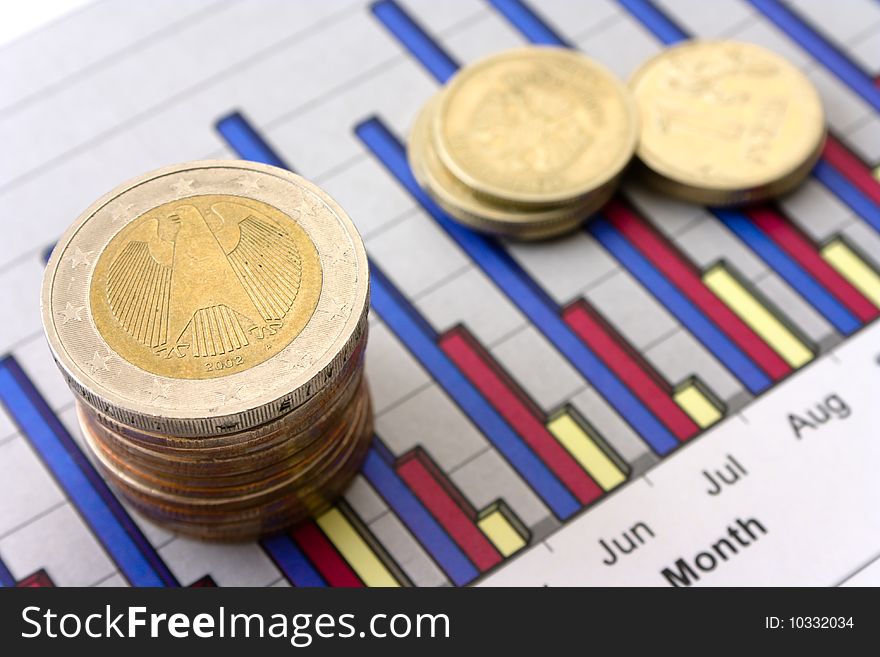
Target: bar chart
x,y
518,388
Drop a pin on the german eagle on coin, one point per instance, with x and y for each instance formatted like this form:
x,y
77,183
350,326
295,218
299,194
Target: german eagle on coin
x,y
207,284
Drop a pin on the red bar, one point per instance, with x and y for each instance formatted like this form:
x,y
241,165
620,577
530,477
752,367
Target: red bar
x,y
793,242
331,565
427,483
631,372
204,582
487,377
667,260
37,580
842,159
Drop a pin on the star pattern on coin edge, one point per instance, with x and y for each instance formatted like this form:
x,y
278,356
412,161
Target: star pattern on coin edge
x,y
121,212
249,184
80,257
335,309
183,186
232,392
303,363
159,391
98,363
71,312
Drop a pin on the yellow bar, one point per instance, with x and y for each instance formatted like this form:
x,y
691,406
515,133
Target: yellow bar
x,y
355,549
853,269
761,320
586,452
503,535
700,408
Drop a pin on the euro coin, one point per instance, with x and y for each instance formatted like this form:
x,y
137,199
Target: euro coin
x,y
724,122
206,298
479,212
536,126
211,321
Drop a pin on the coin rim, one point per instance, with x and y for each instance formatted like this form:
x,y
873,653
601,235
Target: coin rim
x,y
727,198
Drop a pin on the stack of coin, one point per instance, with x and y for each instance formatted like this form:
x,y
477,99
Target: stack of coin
x,y
724,122
526,143
211,320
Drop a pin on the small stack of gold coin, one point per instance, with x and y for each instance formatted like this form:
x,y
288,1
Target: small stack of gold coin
x,y
211,320
726,123
527,143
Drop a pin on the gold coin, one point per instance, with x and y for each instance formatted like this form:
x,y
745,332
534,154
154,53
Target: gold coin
x,y
537,125
724,122
206,298
477,211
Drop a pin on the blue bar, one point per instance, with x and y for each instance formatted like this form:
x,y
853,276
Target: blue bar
x,y
402,318
417,519
842,319
655,20
123,541
522,291
680,306
292,562
440,63
246,141
528,22
832,58
6,578
851,195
